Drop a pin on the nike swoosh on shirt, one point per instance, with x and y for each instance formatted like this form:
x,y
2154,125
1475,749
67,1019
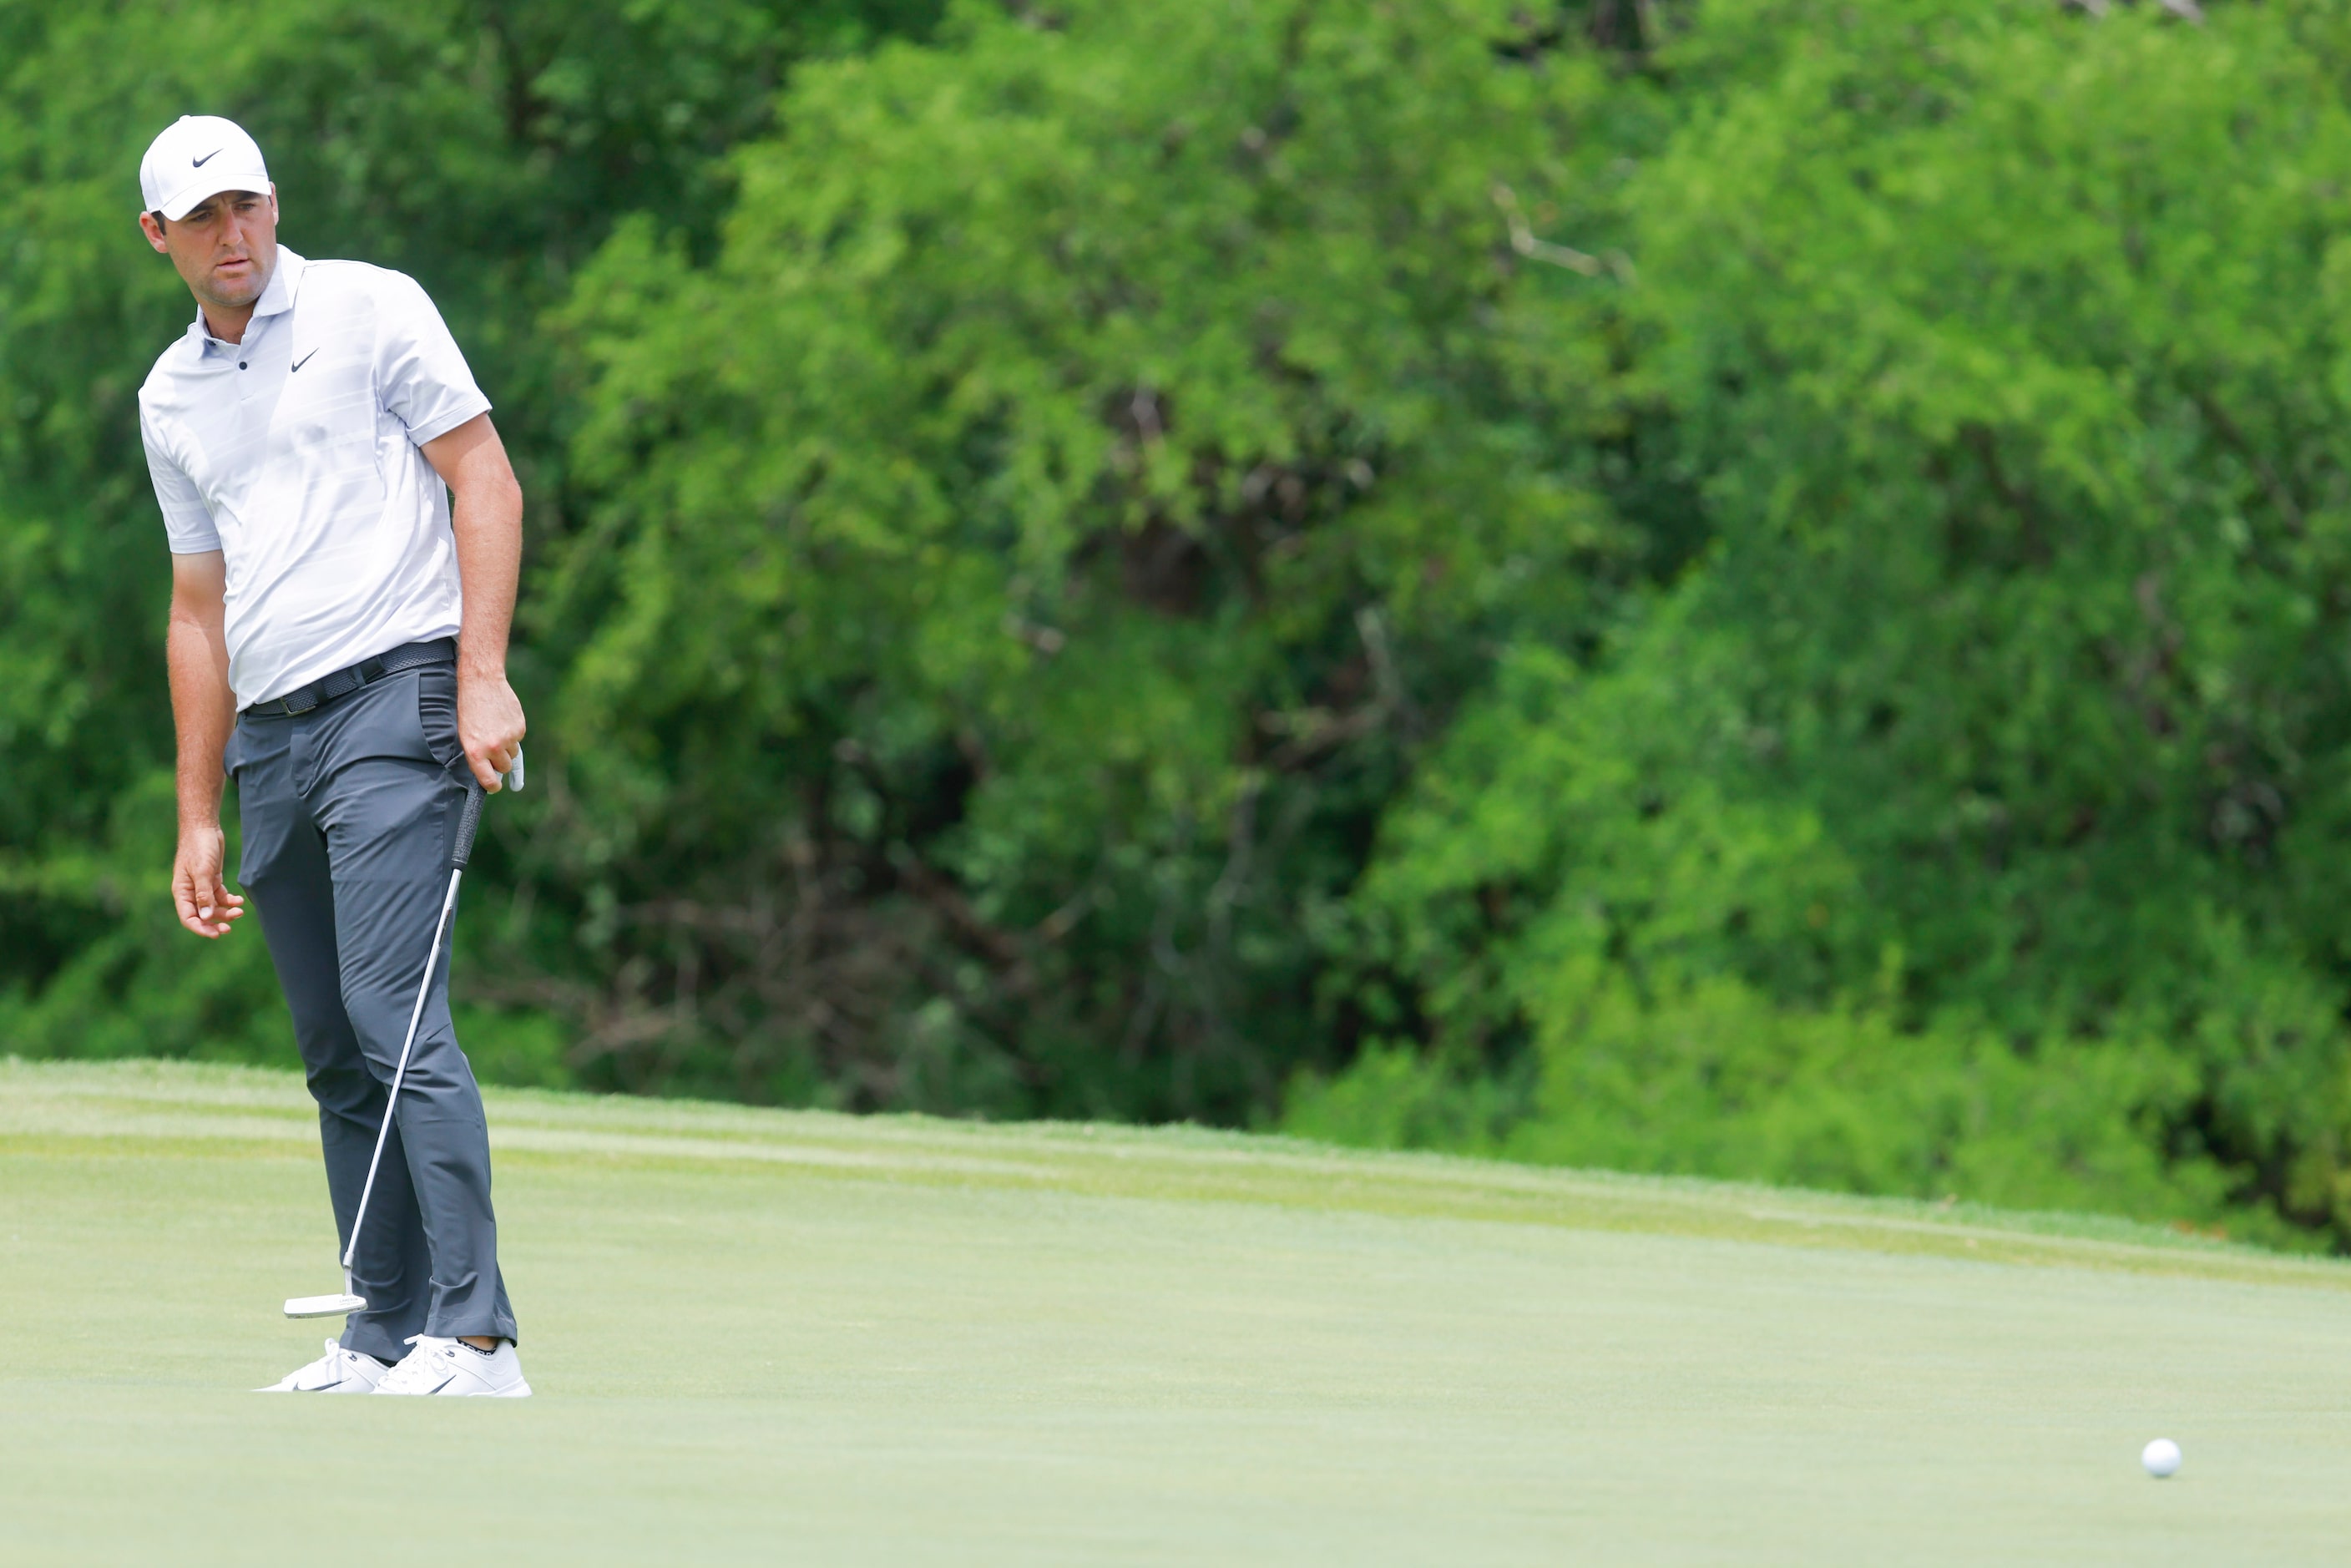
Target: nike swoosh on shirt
x,y
200,162
305,358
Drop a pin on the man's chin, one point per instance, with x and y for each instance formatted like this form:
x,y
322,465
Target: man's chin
x,y
236,290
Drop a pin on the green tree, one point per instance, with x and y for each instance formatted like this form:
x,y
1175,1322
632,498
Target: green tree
x,y
1969,818
1029,555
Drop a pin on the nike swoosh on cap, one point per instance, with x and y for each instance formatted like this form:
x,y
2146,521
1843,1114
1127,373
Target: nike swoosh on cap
x,y
207,158
305,358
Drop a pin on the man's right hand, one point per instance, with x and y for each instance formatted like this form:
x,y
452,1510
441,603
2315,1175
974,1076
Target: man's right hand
x,y
207,905
203,712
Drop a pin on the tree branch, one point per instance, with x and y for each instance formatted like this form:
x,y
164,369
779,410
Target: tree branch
x,y
2235,438
1523,241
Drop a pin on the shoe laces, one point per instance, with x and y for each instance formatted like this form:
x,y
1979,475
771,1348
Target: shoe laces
x,y
430,1350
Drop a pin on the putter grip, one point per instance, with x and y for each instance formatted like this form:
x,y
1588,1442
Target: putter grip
x,y
467,823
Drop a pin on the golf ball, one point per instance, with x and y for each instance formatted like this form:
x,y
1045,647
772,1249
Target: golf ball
x,y
2161,1457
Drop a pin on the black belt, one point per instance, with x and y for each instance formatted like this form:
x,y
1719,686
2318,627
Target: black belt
x,y
327,688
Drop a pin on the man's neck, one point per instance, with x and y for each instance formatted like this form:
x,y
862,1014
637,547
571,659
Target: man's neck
x,y
228,323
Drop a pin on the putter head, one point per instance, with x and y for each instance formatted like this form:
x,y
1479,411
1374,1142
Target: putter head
x,y
334,1306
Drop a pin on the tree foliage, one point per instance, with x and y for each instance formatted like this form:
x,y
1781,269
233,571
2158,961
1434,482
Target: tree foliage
x,y
1035,544
1995,755
1756,588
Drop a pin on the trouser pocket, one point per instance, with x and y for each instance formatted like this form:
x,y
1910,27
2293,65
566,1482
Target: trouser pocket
x,y
272,823
436,713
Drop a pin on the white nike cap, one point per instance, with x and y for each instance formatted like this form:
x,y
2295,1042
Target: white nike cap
x,y
199,155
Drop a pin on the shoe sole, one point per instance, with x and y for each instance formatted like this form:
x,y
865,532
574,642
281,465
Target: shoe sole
x,y
521,1391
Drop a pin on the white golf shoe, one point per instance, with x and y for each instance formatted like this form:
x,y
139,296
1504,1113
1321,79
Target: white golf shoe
x,y
339,1371
452,1366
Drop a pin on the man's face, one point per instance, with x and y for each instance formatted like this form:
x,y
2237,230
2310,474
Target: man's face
x,y
226,248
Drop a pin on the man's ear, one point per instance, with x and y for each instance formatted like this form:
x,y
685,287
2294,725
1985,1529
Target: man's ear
x,y
152,227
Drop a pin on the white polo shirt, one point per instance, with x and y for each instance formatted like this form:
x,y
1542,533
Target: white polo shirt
x,y
295,453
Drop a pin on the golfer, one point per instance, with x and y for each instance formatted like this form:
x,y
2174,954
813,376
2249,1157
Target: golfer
x,y
337,644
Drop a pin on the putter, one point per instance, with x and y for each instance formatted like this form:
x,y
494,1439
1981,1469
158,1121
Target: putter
x,y
348,1300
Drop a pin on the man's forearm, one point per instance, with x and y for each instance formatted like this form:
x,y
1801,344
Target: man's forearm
x,y
203,710
487,517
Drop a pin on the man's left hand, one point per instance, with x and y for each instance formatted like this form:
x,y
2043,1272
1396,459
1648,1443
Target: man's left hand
x,y
489,724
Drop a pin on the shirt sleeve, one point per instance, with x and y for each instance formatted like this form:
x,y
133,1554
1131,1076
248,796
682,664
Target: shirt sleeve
x,y
418,373
187,521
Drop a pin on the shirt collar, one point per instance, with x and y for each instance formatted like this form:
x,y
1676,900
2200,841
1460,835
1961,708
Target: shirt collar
x,y
277,299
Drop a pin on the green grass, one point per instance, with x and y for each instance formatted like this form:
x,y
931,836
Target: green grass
x,y
764,1337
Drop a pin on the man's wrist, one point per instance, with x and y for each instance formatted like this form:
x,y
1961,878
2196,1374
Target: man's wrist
x,y
200,812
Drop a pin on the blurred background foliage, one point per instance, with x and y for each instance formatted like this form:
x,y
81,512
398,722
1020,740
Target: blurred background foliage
x,y
1754,587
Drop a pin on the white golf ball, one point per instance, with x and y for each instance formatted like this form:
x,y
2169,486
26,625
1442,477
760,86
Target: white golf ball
x,y
2161,1457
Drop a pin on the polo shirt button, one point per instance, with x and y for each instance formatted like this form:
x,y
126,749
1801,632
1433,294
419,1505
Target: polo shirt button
x,y
240,364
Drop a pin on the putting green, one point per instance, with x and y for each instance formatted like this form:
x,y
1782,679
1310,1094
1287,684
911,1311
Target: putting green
x,y
763,1337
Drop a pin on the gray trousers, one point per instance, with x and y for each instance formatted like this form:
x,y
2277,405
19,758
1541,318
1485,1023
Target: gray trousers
x,y
350,812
